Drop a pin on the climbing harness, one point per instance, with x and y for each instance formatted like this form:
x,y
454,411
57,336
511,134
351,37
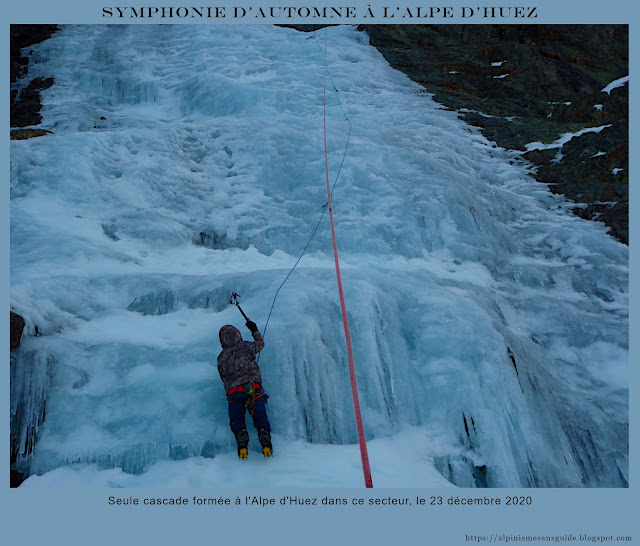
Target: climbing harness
x,y
250,404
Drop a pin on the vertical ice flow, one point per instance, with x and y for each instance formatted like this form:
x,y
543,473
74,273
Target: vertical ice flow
x,y
186,163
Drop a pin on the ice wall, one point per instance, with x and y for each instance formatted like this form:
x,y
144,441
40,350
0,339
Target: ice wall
x,y
186,163
29,384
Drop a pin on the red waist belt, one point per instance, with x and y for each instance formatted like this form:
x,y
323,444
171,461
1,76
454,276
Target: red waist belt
x,y
240,388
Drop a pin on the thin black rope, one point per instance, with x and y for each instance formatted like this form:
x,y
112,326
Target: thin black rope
x,y
324,207
324,54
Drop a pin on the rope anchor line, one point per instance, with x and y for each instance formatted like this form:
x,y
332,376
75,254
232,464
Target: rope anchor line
x,y
324,207
330,189
352,369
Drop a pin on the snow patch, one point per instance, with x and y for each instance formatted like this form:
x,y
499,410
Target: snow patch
x,y
566,137
615,84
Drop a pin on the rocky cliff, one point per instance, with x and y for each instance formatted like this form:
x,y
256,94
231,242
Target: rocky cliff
x,y
525,84
25,103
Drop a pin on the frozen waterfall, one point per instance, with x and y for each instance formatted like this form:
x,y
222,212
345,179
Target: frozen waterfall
x,y
490,325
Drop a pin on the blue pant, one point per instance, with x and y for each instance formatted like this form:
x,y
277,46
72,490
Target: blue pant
x,y
257,409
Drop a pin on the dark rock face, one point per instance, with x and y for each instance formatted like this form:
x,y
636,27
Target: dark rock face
x,y
16,478
25,106
307,28
22,36
17,326
24,134
547,81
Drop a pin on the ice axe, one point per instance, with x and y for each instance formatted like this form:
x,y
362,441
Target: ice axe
x,y
234,301
251,325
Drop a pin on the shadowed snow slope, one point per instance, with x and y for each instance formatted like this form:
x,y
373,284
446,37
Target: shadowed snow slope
x,y
490,325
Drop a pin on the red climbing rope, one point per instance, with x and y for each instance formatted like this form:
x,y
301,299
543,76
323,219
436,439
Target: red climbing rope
x,y
352,368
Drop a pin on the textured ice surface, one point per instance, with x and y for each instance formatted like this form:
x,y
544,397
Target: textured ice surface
x,y
187,163
403,460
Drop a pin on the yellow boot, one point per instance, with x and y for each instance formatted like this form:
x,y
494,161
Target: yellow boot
x,y
265,441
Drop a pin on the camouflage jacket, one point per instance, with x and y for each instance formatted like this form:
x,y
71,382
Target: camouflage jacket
x,y
237,361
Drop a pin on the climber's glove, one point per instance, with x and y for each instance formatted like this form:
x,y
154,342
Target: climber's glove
x,y
252,326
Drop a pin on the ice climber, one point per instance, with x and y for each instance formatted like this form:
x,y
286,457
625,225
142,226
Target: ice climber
x,y
242,381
